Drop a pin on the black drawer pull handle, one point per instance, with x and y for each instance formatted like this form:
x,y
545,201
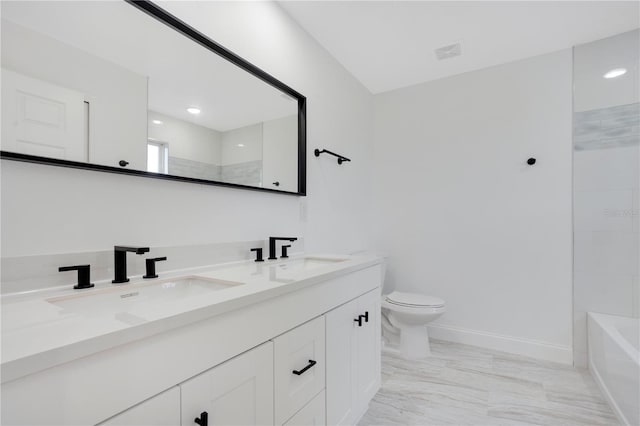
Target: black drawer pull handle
x,y
203,420
359,320
366,316
311,364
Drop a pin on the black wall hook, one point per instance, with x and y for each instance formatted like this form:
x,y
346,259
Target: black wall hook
x,y
531,161
341,159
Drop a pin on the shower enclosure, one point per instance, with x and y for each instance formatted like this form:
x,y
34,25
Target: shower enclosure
x,y
606,160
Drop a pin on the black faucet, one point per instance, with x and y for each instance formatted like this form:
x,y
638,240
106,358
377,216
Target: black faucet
x,y
151,267
272,245
120,262
84,275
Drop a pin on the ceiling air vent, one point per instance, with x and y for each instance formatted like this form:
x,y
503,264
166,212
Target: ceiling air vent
x,y
449,51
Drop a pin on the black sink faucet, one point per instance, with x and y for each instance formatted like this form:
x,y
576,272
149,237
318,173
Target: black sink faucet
x,y
120,262
272,245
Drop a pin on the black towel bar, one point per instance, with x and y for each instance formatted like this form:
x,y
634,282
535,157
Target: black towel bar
x,y
341,159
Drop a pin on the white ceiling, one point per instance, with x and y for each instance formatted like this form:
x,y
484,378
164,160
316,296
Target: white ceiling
x,y
389,44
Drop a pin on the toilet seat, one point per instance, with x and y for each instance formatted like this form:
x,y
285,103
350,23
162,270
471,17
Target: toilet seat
x,y
413,300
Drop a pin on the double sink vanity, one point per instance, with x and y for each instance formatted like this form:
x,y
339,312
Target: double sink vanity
x,y
275,342
293,341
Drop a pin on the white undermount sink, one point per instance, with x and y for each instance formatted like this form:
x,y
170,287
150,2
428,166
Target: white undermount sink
x,y
139,302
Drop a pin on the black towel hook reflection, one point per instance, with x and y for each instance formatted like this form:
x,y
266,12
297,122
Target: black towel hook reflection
x,y
341,159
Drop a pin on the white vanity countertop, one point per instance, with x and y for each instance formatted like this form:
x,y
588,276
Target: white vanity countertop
x,y
38,332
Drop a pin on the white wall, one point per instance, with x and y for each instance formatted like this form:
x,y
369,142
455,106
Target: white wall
x,y
251,139
55,210
186,140
461,214
117,96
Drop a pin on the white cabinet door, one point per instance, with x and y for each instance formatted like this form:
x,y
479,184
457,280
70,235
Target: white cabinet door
x,y
299,367
368,335
312,414
237,392
39,118
342,356
161,410
353,358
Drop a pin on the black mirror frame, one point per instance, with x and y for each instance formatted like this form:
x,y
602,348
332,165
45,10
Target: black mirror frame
x,y
171,21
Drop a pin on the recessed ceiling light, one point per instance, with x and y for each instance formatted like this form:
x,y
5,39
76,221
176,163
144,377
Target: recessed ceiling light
x,y
615,73
193,110
240,145
156,121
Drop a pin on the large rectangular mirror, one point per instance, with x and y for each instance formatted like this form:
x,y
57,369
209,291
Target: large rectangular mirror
x,y
125,87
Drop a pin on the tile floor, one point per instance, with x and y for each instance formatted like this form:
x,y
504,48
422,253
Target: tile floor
x,y
467,385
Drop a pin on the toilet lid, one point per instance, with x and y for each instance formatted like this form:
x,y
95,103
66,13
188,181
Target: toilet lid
x,y
414,299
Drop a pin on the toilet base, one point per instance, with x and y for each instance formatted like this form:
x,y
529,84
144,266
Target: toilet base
x,y
414,342
414,346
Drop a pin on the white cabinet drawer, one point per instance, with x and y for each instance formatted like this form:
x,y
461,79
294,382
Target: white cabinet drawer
x,y
299,368
312,414
236,392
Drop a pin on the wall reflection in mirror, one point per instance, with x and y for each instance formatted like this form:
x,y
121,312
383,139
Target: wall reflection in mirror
x,y
105,83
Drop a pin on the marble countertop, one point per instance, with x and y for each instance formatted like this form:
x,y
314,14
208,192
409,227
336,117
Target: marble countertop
x,y
38,332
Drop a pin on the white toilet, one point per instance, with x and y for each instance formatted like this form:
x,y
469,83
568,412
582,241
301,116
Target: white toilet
x,y
404,322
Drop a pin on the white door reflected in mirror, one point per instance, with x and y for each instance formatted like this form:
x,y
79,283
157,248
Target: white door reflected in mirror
x,y
40,118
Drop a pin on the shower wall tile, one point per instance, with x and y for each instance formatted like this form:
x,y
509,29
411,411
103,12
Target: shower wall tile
x,y
635,210
193,169
247,173
606,178
611,294
635,287
603,210
604,254
606,128
606,169
628,110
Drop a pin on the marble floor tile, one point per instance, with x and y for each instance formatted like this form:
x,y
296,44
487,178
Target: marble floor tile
x,y
486,379
466,385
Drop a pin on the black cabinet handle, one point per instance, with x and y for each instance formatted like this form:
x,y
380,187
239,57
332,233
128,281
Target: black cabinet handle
x,y
203,420
361,317
276,183
311,364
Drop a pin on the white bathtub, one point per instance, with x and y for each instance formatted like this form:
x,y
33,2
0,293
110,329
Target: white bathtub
x,y
614,361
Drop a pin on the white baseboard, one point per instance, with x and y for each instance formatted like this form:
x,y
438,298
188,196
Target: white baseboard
x,y
499,342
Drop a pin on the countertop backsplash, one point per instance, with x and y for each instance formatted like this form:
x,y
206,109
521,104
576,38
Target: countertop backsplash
x,y
28,273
